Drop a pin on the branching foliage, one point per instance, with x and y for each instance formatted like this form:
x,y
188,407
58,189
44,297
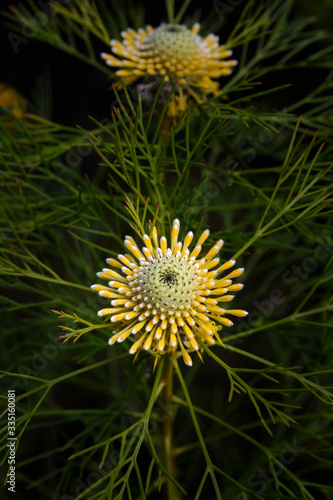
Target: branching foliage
x,y
239,163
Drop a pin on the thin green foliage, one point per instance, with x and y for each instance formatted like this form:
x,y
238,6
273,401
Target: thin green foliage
x,y
254,419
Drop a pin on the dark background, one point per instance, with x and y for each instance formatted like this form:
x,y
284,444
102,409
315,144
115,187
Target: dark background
x,y
78,90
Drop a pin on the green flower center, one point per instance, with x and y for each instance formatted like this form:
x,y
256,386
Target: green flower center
x,y
168,284
173,41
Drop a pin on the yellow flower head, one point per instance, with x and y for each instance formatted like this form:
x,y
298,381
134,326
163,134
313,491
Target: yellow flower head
x,y
10,98
175,53
168,297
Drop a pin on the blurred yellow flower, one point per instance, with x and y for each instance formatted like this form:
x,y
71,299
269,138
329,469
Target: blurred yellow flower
x,y
166,296
10,98
175,53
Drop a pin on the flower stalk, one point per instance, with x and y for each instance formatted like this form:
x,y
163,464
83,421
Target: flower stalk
x,y
169,452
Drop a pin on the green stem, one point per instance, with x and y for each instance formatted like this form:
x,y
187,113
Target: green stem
x,y
209,465
173,492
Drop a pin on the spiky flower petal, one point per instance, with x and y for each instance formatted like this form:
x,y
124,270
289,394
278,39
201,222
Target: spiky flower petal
x,y
166,296
176,54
